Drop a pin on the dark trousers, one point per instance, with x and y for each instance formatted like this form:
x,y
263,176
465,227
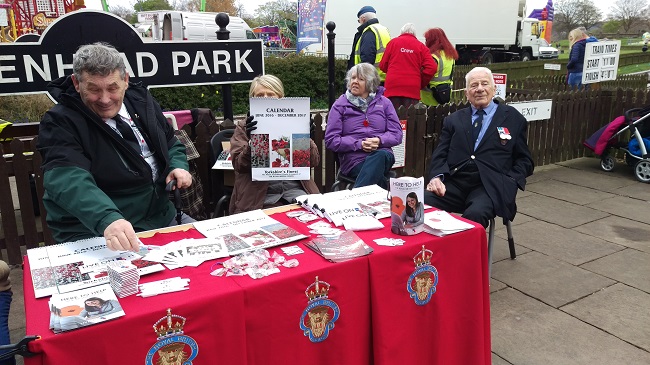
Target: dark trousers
x,y
464,194
373,170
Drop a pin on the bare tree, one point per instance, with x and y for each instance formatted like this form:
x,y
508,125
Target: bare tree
x,y
628,12
123,12
276,11
571,14
221,6
186,5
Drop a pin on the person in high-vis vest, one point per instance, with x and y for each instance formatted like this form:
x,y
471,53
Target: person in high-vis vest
x,y
370,40
445,55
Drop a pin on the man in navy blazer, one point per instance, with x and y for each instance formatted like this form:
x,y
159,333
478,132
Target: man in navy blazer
x,y
482,157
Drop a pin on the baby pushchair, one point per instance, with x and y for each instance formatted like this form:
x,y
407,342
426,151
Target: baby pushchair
x,y
606,140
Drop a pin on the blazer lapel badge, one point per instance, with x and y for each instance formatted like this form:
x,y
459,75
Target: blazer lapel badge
x,y
504,135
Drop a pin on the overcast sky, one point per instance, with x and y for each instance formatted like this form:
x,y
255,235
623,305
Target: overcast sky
x,y
251,5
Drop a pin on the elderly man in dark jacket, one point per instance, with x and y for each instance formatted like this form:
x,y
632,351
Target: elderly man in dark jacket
x,y
482,158
108,153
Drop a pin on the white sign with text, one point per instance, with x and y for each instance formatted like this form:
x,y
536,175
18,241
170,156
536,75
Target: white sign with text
x,y
534,110
601,61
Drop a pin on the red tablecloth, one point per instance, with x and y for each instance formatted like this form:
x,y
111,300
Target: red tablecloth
x,y
238,320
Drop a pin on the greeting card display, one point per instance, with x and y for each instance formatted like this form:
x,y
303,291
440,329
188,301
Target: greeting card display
x,y
280,145
407,205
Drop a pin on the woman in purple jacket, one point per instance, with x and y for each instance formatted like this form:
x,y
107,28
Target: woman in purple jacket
x,y
362,126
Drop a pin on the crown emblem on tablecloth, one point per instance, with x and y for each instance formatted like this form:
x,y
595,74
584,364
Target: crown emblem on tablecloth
x,y
170,325
317,290
423,257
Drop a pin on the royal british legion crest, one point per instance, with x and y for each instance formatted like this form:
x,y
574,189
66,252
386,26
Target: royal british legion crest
x,y
318,318
173,346
422,282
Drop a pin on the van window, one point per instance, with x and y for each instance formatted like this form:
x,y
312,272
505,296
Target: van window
x,y
250,34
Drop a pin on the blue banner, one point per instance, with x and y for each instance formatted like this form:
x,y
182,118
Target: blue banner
x,y
310,23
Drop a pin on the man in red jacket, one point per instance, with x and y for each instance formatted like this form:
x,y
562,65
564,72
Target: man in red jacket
x,y
409,67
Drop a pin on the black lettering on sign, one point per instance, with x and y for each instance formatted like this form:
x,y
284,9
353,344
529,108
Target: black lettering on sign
x,y
27,67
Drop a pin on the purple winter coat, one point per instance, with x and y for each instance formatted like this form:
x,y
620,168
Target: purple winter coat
x,y
346,130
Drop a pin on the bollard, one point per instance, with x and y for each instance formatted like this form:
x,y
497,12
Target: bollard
x,y
330,63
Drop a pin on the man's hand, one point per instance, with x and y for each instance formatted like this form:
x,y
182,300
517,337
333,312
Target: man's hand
x,y
183,178
436,186
250,126
370,144
120,236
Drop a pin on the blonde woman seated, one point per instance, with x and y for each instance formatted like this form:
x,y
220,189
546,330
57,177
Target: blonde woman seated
x,y
247,194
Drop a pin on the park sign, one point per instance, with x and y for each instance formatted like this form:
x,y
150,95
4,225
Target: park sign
x,y
27,67
601,61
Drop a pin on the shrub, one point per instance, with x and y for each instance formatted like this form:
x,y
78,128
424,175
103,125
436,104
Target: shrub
x,y
24,108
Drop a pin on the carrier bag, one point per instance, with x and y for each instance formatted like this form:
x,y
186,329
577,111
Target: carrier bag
x,y
442,93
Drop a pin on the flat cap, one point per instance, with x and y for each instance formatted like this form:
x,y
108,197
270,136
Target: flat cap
x,y
366,9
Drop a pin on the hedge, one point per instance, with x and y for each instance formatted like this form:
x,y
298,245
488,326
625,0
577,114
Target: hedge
x,y
301,75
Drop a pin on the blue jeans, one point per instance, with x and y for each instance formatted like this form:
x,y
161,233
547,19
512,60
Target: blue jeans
x,y
5,303
575,80
373,169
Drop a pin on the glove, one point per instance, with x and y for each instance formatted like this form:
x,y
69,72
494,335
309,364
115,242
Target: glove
x,y
250,125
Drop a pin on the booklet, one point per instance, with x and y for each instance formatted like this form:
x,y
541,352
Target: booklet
x,y
440,223
407,205
76,265
83,308
248,231
339,248
280,146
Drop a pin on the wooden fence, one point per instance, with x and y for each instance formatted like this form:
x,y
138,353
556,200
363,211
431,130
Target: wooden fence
x,y
575,116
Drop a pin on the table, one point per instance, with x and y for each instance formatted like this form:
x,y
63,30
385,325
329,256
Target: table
x,y
238,320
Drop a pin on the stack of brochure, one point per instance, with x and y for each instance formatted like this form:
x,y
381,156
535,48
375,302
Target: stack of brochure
x,y
340,248
124,278
440,223
83,308
76,265
369,200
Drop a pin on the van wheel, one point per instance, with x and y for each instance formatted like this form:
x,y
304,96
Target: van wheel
x,y
487,58
525,56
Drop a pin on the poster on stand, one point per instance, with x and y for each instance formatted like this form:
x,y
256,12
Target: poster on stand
x,y
280,145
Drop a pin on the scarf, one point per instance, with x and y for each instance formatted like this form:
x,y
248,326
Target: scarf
x,y
358,101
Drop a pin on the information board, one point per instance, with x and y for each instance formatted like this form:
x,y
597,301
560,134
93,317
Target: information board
x,y
601,61
500,84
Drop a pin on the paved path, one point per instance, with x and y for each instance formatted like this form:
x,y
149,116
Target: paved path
x,y
579,290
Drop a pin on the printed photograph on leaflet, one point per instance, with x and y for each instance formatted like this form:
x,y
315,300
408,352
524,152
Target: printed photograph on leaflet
x,y
83,308
248,231
76,265
224,160
407,205
280,145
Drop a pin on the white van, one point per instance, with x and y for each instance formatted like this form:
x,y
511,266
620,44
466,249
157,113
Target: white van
x,y
183,25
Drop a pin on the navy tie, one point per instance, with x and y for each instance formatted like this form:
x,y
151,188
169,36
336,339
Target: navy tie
x,y
478,124
127,133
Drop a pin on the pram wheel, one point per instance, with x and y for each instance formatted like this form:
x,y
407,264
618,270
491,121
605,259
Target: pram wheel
x,y
607,163
642,171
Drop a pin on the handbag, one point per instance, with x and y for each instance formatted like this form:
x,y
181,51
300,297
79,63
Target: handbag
x,y
442,93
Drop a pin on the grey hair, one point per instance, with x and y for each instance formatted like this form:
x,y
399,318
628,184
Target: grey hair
x,y
476,70
364,71
98,59
369,15
408,28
